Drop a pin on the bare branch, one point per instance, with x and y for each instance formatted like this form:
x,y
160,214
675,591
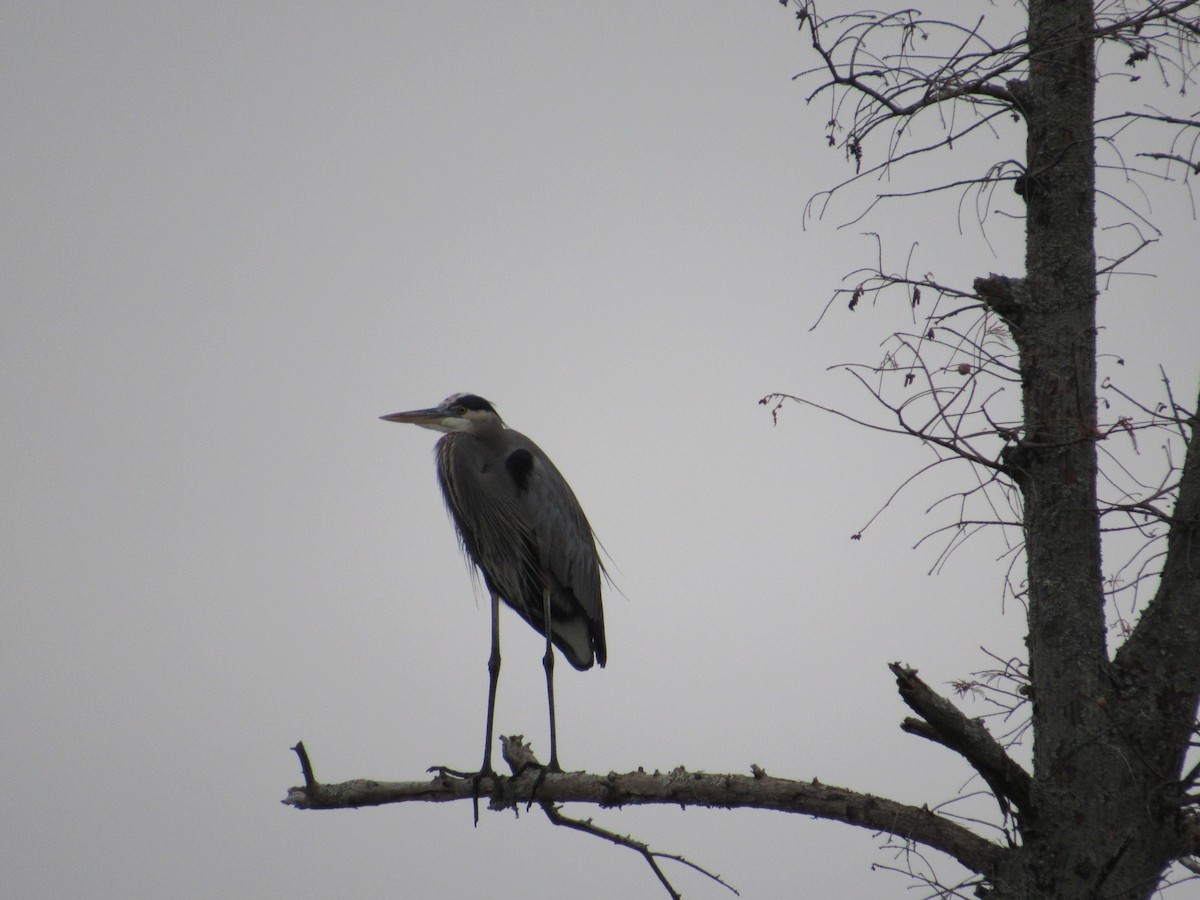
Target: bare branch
x,y
1165,645
678,787
943,722
520,758
1151,117
1173,157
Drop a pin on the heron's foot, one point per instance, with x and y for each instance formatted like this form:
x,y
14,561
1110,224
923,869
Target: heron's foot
x,y
476,778
544,769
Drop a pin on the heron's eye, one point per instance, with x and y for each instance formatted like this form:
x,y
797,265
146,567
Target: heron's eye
x,y
460,410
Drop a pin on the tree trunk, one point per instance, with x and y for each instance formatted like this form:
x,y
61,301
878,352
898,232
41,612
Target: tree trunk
x,y
1088,832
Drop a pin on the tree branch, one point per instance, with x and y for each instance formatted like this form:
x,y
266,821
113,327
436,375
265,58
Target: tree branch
x,y
1174,157
520,758
1005,295
1163,651
678,787
943,722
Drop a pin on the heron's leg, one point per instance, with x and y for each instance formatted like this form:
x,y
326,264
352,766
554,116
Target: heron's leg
x,y
486,770
493,681
548,665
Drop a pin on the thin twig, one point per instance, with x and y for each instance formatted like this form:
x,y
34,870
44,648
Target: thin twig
x,y
651,856
519,756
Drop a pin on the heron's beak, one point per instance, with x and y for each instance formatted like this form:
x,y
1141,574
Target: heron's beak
x,y
435,418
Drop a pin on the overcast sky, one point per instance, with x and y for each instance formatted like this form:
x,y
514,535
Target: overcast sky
x,y
235,234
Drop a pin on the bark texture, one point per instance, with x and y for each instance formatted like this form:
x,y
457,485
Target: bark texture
x,y
1100,820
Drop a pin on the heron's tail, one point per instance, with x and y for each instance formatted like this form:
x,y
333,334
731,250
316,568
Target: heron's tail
x,y
574,638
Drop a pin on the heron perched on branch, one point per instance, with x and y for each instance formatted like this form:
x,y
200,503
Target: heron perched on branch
x,y
520,524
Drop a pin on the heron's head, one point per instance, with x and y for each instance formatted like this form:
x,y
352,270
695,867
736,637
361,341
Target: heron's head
x,y
458,412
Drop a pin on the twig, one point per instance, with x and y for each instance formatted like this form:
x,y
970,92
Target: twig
x,y
310,780
519,756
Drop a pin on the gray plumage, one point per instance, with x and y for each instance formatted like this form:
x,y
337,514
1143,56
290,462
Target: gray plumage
x,y
519,522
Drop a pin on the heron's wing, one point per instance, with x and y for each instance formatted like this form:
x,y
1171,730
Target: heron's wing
x,y
566,547
519,521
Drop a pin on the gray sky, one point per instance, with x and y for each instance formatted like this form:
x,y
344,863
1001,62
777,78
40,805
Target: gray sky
x,y
236,234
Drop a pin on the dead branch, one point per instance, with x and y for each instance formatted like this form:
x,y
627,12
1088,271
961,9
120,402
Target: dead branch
x,y
520,758
944,723
679,787
1174,157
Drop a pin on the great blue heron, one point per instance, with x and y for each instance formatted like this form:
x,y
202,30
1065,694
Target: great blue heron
x,y
519,522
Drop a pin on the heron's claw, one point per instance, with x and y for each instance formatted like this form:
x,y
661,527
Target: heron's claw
x,y
476,778
544,769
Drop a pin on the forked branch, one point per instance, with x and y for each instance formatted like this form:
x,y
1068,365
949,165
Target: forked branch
x,y
944,723
520,758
